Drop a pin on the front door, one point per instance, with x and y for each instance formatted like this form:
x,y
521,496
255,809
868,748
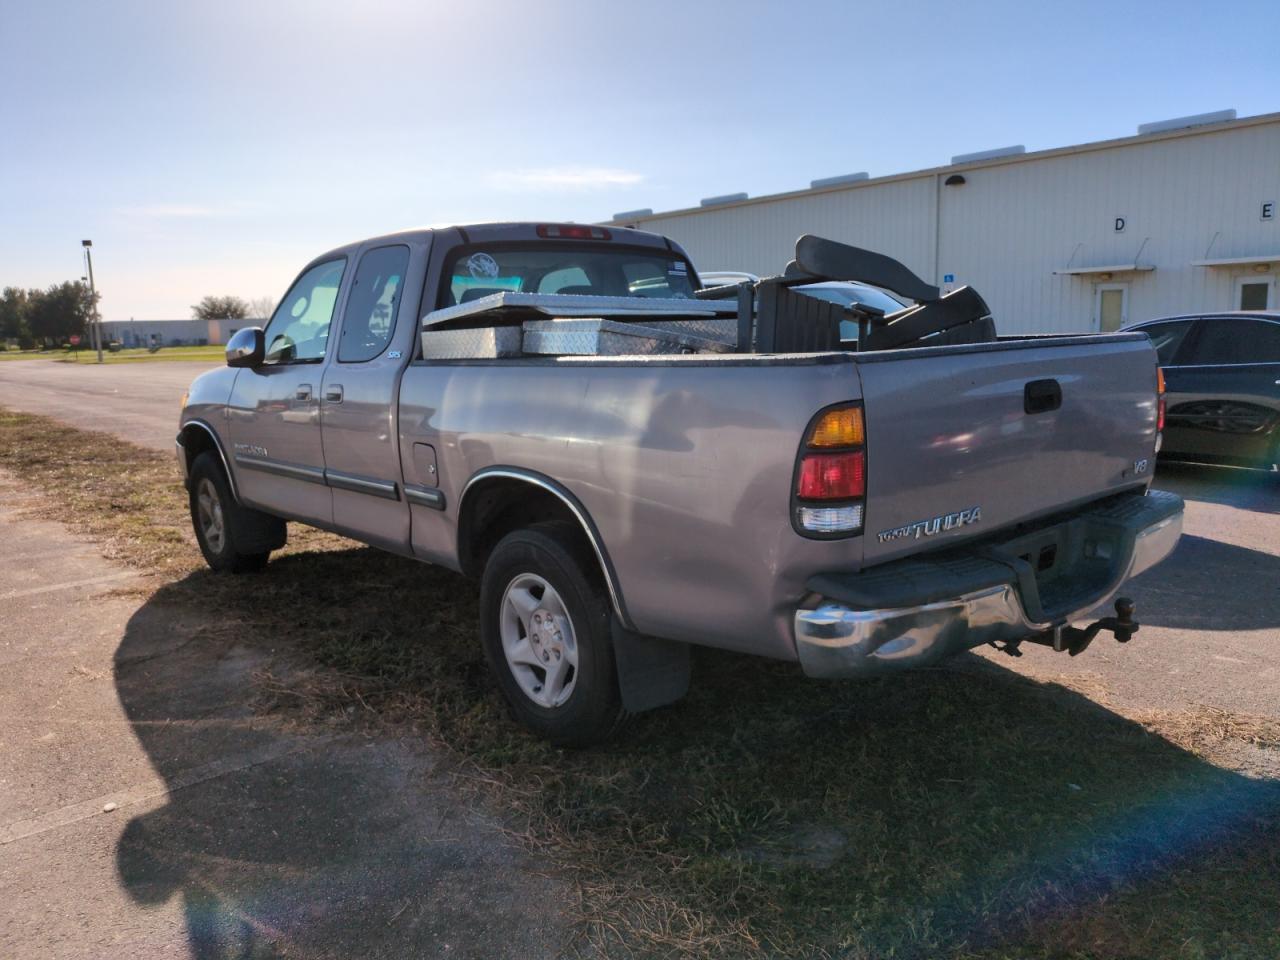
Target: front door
x,y
1253,292
358,399
1111,307
275,407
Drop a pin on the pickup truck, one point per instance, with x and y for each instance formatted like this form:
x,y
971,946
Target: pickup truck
x,y
853,508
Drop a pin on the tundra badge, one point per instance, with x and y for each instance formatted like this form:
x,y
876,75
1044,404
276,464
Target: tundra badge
x,y
927,528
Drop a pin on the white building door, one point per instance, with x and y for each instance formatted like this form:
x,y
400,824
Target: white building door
x,y
1253,292
1111,307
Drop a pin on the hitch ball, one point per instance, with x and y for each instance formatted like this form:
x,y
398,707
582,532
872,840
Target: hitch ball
x,y
1125,627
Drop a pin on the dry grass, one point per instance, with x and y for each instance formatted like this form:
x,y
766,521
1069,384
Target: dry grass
x,y
962,812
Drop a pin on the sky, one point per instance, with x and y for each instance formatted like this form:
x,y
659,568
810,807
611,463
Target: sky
x,y
214,148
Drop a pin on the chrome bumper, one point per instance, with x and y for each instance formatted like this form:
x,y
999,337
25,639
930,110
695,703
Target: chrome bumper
x,y
833,640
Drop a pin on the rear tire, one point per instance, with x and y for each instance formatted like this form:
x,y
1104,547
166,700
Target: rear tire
x,y
233,538
545,627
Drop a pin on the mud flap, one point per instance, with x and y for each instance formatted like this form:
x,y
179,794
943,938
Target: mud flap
x,y
651,672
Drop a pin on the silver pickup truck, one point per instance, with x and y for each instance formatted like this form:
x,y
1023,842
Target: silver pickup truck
x,y
631,464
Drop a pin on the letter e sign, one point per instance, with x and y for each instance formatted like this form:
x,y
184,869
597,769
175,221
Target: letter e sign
x,y
1269,210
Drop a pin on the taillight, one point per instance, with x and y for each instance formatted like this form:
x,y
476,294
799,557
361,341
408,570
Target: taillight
x,y
572,231
831,474
1160,404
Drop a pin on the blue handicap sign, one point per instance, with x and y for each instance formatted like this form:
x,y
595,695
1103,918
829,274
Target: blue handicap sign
x,y
948,278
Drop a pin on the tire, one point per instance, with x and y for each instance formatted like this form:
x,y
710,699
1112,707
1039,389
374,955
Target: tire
x,y
545,625
233,538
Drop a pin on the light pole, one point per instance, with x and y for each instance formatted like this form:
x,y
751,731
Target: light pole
x,y
93,298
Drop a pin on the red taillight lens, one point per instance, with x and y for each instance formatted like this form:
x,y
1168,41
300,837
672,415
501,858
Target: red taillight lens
x,y
832,476
1160,415
572,231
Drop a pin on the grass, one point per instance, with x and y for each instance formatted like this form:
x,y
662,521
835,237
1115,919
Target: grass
x,y
964,812
207,354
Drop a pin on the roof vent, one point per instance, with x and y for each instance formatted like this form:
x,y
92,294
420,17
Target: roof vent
x,y
989,154
837,181
1181,123
717,201
634,214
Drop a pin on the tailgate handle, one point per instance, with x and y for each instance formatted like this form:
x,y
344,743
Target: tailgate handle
x,y
1041,396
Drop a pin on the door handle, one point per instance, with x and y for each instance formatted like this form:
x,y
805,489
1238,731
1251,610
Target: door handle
x,y
333,393
303,392
1041,396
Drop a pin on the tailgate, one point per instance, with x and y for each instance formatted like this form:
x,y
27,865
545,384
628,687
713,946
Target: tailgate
x,y
954,453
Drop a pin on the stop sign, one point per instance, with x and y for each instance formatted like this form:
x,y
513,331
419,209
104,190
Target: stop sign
x,y
75,340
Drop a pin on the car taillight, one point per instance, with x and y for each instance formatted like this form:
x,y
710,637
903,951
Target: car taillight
x,y
1160,403
1159,400
831,474
572,231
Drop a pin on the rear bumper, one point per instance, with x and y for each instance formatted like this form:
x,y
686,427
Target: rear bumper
x,y
964,601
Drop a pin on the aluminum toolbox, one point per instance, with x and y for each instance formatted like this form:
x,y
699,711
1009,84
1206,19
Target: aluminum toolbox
x,y
473,343
527,306
600,337
721,329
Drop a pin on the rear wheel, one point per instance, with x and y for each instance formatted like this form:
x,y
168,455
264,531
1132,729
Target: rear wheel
x,y
233,539
545,626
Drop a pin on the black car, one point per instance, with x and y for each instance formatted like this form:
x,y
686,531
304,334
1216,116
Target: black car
x,y
1222,382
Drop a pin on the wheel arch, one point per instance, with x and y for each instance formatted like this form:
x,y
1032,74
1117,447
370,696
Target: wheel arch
x,y
497,499
195,437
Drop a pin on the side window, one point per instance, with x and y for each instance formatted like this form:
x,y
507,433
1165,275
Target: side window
x,y
370,316
299,329
1167,338
1238,341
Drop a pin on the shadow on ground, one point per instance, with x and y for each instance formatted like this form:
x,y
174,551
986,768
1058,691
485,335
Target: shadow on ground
x,y
954,812
1210,585
1256,490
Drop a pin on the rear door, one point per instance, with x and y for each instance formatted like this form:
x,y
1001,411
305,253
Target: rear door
x,y
963,441
275,407
1223,399
358,400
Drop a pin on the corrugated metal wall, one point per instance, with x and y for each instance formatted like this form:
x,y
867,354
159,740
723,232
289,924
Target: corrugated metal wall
x,y
1194,196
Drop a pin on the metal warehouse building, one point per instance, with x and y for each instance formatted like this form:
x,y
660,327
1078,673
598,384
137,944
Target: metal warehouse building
x,y
1181,217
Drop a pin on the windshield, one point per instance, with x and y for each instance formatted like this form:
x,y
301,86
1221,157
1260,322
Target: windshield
x,y
573,269
847,293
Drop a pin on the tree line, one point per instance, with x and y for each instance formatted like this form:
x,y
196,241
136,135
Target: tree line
x,y
233,308
52,316
45,317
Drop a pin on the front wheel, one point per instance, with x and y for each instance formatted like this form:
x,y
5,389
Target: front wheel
x,y
545,626
233,538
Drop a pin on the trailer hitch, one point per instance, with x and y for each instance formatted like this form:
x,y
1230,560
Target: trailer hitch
x,y
1075,640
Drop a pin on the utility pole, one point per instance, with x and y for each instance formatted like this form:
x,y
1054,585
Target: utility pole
x,y
97,320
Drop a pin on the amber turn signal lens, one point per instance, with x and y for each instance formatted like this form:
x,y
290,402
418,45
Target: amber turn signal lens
x,y
841,427
1159,379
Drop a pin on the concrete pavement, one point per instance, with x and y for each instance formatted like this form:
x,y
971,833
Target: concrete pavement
x,y
147,812
138,401
1210,614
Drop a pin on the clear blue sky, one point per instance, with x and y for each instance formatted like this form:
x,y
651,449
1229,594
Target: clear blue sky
x,y
215,147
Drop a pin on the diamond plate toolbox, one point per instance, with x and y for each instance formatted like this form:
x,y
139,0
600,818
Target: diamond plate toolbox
x,y
477,343
611,338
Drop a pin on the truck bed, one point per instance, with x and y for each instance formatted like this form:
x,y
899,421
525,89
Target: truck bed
x,y
685,463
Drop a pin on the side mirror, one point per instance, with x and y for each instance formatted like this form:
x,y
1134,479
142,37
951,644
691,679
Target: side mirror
x,y
246,347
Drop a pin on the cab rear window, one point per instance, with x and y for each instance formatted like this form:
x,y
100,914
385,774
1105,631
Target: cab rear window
x,y
554,268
